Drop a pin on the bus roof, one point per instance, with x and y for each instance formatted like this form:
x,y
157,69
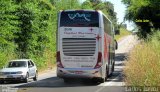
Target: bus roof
x,y
81,10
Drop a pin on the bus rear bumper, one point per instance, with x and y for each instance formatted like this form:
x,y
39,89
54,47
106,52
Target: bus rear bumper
x,y
79,73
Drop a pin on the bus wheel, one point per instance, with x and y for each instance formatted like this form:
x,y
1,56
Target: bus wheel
x,y
66,80
113,67
102,80
98,80
1,81
106,76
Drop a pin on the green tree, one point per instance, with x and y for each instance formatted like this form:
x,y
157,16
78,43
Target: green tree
x,y
65,4
35,24
8,27
27,30
86,5
109,9
106,7
144,13
95,2
8,23
37,30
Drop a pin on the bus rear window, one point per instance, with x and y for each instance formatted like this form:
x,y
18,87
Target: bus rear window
x,y
79,19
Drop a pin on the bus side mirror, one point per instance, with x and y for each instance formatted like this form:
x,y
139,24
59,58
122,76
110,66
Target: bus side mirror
x,y
116,44
117,32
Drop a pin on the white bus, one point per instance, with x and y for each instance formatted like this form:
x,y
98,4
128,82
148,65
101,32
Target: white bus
x,y
85,45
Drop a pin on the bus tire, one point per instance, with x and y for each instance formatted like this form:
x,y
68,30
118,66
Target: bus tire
x,y
113,66
102,80
106,74
66,80
113,63
1,81
98,80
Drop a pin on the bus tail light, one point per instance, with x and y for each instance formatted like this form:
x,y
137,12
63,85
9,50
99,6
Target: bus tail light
x,y
59,63
99,60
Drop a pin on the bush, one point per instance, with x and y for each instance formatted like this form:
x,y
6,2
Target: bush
x,y
27,29
6,54
143,65
123,32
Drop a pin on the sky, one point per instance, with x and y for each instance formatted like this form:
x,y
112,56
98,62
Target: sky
x,y
119,8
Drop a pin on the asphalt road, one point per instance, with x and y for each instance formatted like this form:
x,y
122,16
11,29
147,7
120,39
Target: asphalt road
x,y
48,82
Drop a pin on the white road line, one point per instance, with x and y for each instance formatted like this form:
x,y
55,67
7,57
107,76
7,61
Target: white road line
x,y
121,49
106,84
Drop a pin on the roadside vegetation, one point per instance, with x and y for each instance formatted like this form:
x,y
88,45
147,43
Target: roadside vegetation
x,y
123,32
143,65
145,14
28,27
27,31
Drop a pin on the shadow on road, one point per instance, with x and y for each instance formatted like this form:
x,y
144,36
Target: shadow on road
x,y
55,82
11,82
117,75
121,57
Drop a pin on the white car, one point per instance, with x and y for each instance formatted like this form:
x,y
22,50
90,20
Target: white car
x,y
21,69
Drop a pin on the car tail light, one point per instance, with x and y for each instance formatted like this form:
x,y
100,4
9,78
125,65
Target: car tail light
x,y
59,63
99,60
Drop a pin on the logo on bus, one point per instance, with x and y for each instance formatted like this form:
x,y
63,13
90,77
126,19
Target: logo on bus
x,y
77,15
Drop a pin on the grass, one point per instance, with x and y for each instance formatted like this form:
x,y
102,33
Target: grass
x,y
123,32
143,64
6,55
46,61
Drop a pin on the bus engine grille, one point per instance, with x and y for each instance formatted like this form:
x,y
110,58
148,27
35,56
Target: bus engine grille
x,y
79,46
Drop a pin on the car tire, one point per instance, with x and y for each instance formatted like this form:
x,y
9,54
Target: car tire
x,y
35,77
26,78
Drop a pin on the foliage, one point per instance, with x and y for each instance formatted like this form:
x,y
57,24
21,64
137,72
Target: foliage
x,y
106,7
28,27
8,22
65,4
86,5
124,32
8,26
145,14
142,66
